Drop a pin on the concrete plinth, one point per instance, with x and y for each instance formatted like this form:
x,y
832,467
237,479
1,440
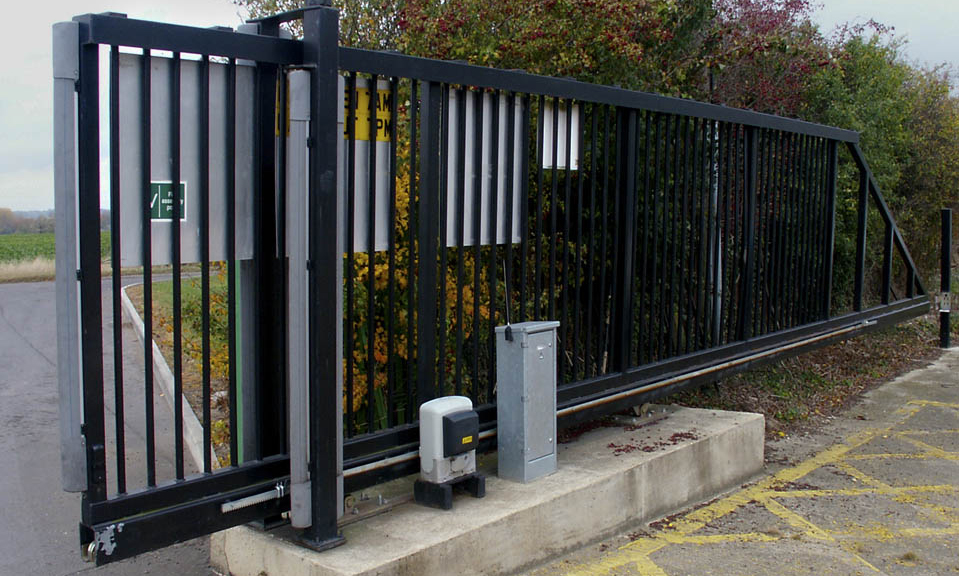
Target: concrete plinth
x,y
608,479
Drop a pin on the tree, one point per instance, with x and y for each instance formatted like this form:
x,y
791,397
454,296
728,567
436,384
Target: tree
x,y
763,55
370,24
638,44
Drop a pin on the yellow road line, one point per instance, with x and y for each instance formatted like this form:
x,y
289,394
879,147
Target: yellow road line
x,y
933,403
767,492
862,476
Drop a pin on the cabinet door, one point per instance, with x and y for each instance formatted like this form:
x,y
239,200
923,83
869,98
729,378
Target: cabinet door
x,y
540,395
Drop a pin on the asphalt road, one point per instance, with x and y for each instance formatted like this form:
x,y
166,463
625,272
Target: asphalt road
x,y
39,519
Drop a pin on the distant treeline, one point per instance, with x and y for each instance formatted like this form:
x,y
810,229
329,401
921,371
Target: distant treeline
x,y
36,221
25,222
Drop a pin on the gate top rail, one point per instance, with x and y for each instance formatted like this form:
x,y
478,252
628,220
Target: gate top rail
x,y
394,64
118,30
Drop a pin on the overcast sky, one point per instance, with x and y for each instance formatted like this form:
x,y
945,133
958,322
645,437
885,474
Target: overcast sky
x,y
26,157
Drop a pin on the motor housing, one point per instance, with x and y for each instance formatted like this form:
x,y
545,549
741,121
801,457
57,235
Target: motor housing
x,y
449,435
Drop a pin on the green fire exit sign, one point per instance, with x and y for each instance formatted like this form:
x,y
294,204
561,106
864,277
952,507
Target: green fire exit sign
x,y
161,201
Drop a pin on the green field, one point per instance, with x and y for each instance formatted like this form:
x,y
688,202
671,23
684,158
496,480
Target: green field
x,y
21,247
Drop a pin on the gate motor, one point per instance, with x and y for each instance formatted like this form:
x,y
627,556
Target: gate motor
x,y
526,400
449,434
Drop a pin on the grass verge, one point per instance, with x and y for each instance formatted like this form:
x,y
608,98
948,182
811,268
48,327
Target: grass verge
x,y
794,393
34,270
192,346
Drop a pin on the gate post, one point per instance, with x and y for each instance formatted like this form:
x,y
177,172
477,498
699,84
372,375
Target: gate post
x,y
945,281
428,236
91,317
321,39
298,301
66,73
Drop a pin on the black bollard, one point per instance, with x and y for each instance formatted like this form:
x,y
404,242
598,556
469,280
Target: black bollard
x,y
946,277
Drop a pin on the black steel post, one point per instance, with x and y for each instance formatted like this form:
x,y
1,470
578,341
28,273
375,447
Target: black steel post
x,y
91,320
320,30
887,248
428,235
269,291
946,278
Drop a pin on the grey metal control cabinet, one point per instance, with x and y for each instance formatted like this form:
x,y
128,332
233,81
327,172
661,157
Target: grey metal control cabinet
x,y
526,400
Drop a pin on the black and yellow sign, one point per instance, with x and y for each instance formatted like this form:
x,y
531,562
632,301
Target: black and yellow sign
x,y
384,120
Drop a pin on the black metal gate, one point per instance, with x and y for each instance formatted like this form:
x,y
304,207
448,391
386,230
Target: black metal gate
x,y
208,158
677,242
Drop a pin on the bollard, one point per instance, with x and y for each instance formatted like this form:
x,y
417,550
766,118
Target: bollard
x,y
946,277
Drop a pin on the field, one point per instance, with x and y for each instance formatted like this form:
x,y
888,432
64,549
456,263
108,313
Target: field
x,y
30,257
27,247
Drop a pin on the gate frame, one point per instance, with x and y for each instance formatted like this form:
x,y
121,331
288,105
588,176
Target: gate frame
x,y
135,522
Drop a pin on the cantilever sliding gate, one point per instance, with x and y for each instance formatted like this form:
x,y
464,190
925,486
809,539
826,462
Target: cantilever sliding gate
x,y
322,238
168,448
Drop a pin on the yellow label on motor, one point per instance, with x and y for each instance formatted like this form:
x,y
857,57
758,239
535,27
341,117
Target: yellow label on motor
x,y
361,116
467,439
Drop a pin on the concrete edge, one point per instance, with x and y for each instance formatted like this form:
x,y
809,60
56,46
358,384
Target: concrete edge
x,y
192,429
602,497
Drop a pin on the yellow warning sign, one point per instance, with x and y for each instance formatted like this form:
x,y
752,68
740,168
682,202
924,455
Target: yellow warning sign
x,y
384,120
467,439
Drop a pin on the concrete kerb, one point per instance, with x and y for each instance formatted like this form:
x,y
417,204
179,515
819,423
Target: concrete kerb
x,y
163,376
608,479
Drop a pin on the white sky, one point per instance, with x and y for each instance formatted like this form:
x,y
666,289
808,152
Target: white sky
x,y
26,82
929,25
26,116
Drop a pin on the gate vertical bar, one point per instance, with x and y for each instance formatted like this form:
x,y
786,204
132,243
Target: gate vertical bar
x,y
887,249
749,233
626,212
177,268
833,158
115,268
861,238
146,245
204,155
91,322
945,274
320,28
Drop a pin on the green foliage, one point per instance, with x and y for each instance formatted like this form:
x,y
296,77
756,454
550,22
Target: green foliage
x,y
191,302
763,54
909,130
21,247
370,24
639,44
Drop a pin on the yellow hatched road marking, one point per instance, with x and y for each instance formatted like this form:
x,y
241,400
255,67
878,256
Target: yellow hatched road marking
x,y
637,555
